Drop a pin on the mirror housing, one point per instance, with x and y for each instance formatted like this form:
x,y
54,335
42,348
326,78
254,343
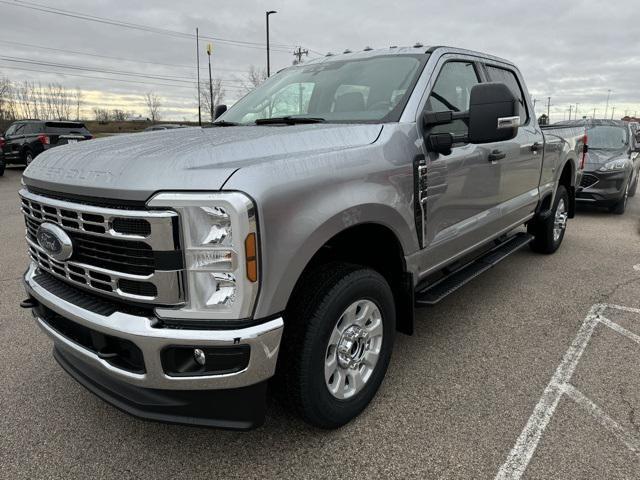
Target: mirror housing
x,y
494,113
219,110
493,116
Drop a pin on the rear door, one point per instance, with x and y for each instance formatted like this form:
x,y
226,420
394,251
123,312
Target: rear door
x,y
460,192
521,165
15,138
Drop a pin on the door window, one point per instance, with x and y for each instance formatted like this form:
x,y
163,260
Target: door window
x,y
12,130
451,92
508,77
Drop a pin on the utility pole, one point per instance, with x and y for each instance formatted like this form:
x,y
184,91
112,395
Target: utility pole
x,y
198,67
209,52
606,109
549,109
613,111
576,115
594,113
298,53
269,12
570,107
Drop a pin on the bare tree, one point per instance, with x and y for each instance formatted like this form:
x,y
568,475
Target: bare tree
x,y
153,105
7,103
101,114
119,115
205,94
255,76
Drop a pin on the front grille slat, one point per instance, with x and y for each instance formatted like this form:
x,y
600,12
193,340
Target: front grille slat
x,y
132,255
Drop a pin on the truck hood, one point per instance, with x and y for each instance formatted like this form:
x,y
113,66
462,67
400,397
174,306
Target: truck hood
x,y
597,158
134,166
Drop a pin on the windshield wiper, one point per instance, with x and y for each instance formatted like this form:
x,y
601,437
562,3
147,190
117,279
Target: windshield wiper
x,y
288,120
224,123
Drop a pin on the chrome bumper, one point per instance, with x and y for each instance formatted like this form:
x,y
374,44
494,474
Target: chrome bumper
x,y
264,340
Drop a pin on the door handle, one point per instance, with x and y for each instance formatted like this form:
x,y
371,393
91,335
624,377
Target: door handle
x,y
535,147
496,155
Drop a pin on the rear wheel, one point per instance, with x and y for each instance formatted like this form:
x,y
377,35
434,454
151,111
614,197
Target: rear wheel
x,y
28,157
620,207
548,231
1,167
337,343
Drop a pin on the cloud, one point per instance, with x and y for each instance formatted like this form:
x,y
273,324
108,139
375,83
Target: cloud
x,y
571,51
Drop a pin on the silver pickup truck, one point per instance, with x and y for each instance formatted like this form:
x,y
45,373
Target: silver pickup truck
x,y
178,271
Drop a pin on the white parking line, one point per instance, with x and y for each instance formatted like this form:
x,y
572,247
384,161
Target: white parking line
x,y
527,442
605,420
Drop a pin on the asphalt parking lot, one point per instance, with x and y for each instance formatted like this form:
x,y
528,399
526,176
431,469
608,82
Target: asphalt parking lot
x,y
529,371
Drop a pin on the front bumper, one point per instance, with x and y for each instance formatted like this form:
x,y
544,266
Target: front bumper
x,y
604,188
100,374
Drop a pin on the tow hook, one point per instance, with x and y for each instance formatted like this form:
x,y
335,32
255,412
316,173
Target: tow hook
x,y
29,303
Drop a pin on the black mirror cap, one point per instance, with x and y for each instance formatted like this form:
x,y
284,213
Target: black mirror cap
x,y
219,110
490,107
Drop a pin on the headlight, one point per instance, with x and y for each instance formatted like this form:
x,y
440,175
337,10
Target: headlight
x,y
219,239
613,165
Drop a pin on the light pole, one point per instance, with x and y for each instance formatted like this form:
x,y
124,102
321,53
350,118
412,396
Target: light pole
x,y
209,51
198,67
606,109
269,12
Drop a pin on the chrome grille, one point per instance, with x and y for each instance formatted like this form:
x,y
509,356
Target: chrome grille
x,y
588,180
105,259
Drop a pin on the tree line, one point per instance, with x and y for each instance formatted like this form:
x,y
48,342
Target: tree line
x,y
54,101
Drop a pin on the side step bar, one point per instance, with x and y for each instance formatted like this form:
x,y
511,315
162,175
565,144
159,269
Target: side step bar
x,y
432,294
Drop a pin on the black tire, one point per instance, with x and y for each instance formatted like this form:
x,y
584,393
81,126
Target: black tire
x,y
634,187
1,168
28,157
542,229
316,307
620,207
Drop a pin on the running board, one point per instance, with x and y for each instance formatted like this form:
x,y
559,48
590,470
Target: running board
x,y
432,294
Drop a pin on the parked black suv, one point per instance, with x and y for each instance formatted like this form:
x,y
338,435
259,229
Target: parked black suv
x,y
26,139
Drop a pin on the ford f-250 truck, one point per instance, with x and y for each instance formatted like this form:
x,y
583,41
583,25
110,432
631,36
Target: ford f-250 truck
x,y
178,271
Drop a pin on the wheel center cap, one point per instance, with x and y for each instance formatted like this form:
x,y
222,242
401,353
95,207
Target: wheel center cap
x,y
351,347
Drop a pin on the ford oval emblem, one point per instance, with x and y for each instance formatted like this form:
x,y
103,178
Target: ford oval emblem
x,y
54,241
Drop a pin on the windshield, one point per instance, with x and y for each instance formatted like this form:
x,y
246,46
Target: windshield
x,y
607,137
366,90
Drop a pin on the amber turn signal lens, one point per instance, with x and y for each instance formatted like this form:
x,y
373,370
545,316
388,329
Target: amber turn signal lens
x,y
250,249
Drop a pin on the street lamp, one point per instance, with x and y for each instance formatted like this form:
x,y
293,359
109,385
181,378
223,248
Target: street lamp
x,y
209,52
268,64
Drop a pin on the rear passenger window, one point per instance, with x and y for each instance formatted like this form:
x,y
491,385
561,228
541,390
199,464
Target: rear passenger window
x,y
508,77
451,92
31,128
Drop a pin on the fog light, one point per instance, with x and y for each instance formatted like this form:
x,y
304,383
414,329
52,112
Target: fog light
x,y
199,357
196,360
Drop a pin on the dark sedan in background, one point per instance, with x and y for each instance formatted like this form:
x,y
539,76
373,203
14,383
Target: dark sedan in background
x,y
611,165
26,139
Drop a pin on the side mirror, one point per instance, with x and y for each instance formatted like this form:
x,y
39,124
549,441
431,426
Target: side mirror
x,y
494,113
493,116
219,110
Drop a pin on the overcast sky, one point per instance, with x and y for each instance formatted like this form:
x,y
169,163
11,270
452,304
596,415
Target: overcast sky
x,y
573,51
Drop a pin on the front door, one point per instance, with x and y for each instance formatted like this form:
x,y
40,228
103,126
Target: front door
x,y
461,208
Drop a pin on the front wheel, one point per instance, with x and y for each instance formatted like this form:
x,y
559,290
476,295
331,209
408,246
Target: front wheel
x,y
620,207
337,343
548,232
